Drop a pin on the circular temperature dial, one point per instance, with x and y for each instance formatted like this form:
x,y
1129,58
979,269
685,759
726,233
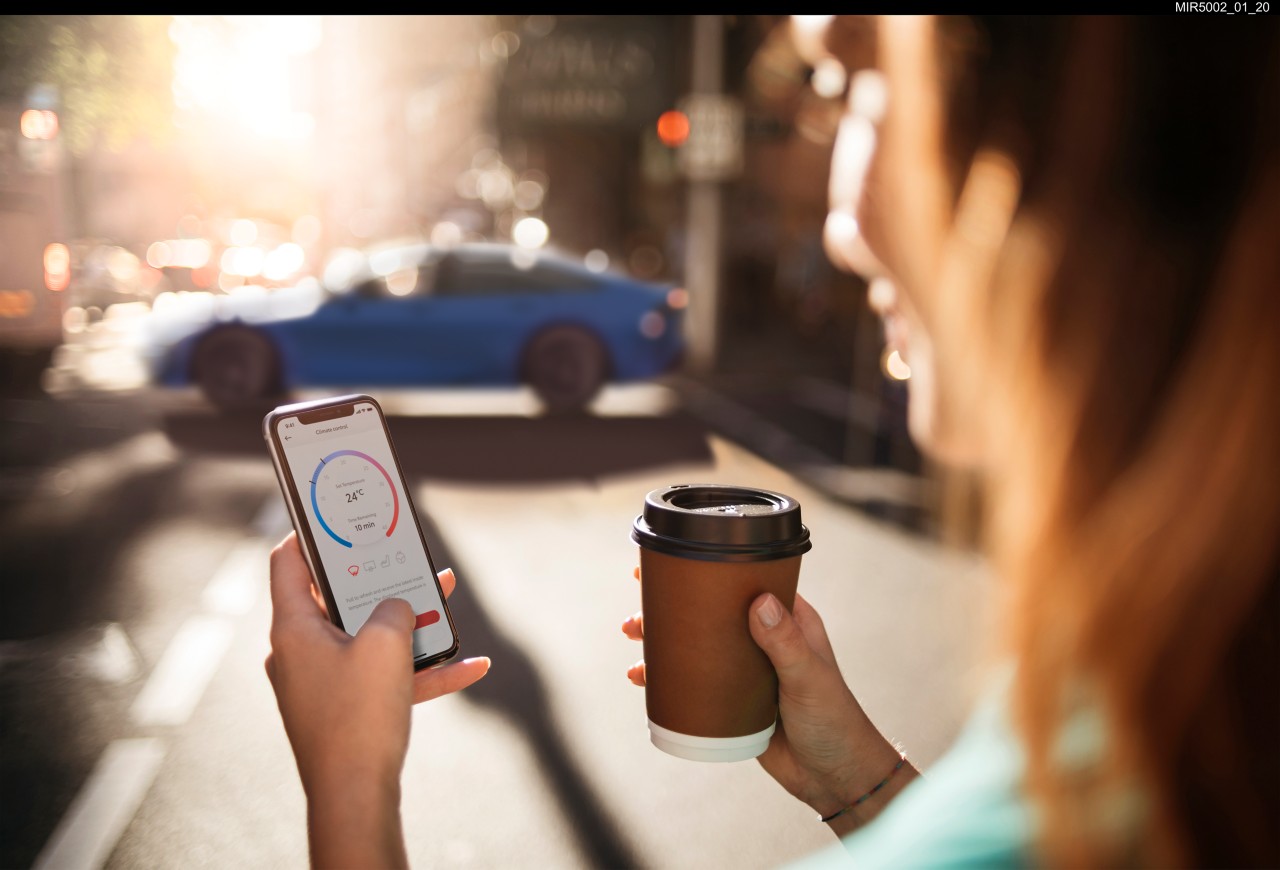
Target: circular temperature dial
x,y
354,499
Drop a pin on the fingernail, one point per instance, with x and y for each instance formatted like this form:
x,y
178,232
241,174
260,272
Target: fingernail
x,y
770,612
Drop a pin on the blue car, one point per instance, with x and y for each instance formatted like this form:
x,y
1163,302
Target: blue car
x,y
419,315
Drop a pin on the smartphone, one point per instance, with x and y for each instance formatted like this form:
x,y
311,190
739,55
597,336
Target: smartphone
x,y
355,519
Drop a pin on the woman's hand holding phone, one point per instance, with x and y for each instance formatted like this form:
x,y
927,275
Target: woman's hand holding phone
x,y
345,702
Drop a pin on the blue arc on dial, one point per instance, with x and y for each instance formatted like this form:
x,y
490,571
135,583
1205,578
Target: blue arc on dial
x,y
315,505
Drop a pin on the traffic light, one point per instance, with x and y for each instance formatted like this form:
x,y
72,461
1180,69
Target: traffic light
x,y
673,128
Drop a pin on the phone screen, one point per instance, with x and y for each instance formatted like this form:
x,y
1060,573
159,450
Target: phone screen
x,y
350,492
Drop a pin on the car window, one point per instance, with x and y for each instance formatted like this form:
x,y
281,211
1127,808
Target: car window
x,y
458,276
407,280
372,288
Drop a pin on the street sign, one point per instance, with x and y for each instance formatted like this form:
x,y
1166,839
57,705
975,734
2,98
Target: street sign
x,y
600,71
713,150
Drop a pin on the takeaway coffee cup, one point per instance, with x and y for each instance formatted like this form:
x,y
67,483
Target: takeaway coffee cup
x,y
706,552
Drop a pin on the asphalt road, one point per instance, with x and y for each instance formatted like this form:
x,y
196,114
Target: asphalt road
x,y
139,728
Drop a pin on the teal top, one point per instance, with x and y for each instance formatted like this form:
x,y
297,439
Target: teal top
x,y
968,811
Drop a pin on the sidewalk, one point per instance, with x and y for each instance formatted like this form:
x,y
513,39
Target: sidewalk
x,y
546,762
545,574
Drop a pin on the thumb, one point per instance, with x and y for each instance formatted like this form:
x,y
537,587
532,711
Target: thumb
x,y
777,633
392,619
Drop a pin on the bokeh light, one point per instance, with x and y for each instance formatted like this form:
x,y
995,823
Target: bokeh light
x,y
341,266
446,234
673,128
829,78
284,261
39,124
530,232
596,260
894,366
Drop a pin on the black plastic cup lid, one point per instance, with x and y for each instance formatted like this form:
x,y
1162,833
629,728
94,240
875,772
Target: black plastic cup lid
x,y
721,523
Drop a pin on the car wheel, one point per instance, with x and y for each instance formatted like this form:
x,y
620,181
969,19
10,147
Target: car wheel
x,y
235,366
566,366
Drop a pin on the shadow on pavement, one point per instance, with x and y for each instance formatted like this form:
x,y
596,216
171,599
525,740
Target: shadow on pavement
x,y
485,449
515,690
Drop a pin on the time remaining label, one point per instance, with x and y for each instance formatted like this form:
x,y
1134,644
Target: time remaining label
x,y
354,498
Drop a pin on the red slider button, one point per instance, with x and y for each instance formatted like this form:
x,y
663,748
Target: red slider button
x,y
431,617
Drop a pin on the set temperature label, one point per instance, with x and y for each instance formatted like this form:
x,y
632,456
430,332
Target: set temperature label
x,y
354,498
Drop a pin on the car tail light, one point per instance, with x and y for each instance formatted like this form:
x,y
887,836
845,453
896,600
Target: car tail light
x,y
57,266
653,324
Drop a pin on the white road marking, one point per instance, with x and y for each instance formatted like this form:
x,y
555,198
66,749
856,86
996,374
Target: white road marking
x,y
112,659
104,807
107,802
272,522
234,587
178,681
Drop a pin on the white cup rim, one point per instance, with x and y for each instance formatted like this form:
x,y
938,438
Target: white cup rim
x,y
696,748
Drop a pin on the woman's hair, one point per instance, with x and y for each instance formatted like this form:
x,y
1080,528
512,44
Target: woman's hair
x,y
1128,354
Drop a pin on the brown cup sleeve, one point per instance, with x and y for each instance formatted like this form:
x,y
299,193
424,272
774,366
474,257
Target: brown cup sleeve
x,y
705,675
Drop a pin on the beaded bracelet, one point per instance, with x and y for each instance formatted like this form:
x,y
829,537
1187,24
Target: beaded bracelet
x,y
881,784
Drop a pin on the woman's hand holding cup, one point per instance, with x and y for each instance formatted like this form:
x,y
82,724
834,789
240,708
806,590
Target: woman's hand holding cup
x,y
825,751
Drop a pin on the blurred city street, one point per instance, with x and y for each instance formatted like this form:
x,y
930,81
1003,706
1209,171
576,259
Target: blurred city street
x,y
140,729
575,258
977,292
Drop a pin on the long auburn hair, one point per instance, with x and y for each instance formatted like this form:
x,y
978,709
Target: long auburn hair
x,y
1129,362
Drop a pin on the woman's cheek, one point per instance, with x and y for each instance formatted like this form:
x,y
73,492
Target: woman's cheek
x,y
936,421
925,416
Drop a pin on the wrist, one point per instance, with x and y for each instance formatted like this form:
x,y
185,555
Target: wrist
x,y
344,772
866,791
858,761
355,822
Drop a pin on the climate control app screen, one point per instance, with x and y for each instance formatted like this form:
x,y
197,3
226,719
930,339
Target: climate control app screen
x,y
367,541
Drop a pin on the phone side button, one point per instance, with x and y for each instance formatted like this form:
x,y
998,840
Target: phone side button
x,y
431,617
